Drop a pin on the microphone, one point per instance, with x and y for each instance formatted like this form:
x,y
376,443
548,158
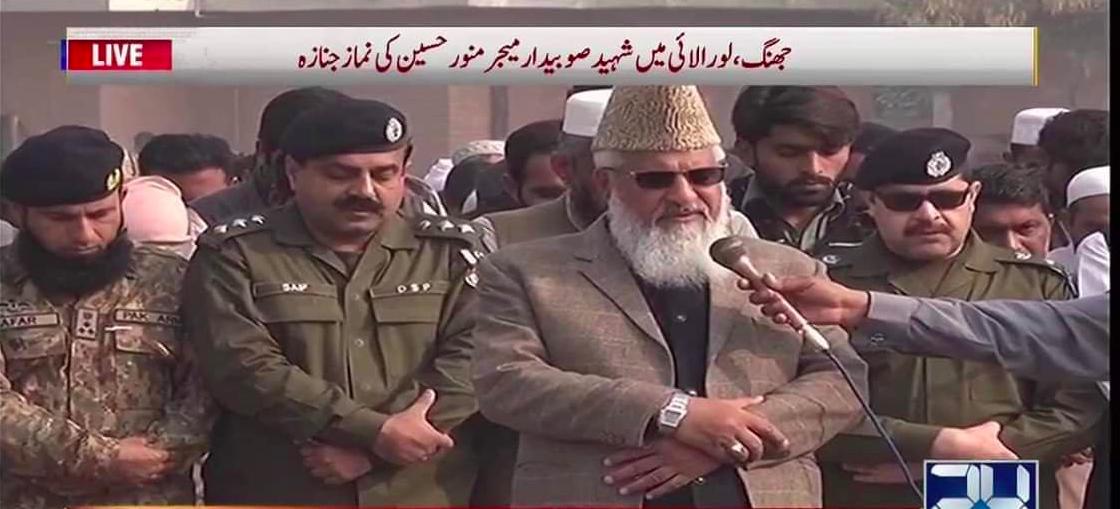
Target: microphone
x,y
731,252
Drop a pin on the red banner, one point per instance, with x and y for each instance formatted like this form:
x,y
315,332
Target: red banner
x,y
118,55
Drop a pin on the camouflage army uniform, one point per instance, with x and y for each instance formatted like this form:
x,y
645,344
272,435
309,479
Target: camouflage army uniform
x,y
299,345
75,378
917,396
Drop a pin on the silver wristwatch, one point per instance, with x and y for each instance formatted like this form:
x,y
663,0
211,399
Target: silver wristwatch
x,y
673,413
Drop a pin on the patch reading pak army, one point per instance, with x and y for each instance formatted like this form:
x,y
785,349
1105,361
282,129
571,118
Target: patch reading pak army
x,y
86,323
147,317
29,320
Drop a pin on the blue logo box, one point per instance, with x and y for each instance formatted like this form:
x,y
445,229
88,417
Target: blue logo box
x,y
981,484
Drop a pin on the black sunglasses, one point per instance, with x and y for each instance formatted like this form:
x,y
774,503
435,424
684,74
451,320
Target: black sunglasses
x,y
909,202
702,177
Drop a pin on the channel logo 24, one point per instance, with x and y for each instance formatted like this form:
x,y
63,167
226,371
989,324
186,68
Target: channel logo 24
x,y
981,485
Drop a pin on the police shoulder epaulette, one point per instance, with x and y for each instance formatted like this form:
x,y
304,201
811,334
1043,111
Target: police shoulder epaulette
x,y
446,228
460,230
836,254
222,232
1025,258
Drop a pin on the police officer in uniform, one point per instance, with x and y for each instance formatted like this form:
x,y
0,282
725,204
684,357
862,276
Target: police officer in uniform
x,y
266,187
922,202
100,403
334,332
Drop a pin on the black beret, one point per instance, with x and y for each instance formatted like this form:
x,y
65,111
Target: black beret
x,y
64,166
918,156
349,126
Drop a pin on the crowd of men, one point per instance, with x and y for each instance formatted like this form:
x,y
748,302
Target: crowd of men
x,y
536,321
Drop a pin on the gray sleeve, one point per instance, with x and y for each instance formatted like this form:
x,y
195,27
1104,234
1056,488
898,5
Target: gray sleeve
x,y
1036,339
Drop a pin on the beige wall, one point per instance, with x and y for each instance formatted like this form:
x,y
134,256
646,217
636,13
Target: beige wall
x,y
441,117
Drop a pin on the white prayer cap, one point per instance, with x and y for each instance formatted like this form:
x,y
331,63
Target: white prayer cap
x,y
1028,123
584,110
1090,182
437,174
478,148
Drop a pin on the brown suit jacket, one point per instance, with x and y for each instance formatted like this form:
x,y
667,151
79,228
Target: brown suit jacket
x,y
549,219
569,354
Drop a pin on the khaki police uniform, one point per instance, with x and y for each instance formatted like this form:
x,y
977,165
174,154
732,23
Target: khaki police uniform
x,y
298,346
917,396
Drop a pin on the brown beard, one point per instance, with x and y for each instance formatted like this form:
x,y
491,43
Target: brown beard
x,y
55,275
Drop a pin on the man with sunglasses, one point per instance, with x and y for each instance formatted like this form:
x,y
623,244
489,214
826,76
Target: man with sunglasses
x,y
630,363
585,199
922,200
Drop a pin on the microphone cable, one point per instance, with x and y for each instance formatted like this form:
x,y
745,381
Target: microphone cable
x,y
731,252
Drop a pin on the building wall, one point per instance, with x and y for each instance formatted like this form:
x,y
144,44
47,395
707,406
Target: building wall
x,y
444,117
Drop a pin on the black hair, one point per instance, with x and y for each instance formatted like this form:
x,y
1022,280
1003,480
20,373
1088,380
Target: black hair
x,y
825,111
177,154
531,139
282,109
461,182
869,135
575,89
1077,138
1016,184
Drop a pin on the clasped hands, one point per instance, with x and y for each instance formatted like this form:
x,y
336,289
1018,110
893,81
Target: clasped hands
x,y
704,440
406,438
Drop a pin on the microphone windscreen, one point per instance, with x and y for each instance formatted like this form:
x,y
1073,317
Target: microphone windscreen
x,y
727,251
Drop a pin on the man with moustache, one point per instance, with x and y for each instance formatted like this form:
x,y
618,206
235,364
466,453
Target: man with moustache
x,y
798,140
1013,209
631,365
922,200
579,207
267,187
334,331
100,401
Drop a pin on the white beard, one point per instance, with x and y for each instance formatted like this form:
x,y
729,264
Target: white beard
x,y
676,256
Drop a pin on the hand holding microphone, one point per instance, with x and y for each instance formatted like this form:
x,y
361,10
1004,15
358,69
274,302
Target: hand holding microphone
x,y
822,297
821,301
731,252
